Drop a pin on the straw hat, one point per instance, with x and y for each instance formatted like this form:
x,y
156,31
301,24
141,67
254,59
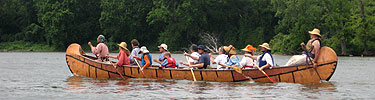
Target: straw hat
x,y
230,49
164,46
144,50
315,31
249,48
123,46
265,45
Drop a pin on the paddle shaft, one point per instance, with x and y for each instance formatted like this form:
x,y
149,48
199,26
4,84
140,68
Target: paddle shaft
x,y
191,69
116,69
307,62
136,61
262,71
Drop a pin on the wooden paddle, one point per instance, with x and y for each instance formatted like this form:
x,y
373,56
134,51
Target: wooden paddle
x,y
307,62
136,61
116,69
191,69
262,71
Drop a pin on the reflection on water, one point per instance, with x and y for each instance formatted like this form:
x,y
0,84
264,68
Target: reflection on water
x,y
39,76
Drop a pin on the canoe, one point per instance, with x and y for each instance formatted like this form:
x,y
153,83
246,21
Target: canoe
x,y
81,64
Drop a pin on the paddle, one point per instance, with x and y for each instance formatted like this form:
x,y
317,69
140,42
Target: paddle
x,y
116,69
262,71
307,62
136,61
239,70
191,69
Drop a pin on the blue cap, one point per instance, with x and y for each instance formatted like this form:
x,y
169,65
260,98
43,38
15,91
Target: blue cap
x,y
202,47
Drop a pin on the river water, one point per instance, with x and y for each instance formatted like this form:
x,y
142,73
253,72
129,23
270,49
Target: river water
x,y
45,75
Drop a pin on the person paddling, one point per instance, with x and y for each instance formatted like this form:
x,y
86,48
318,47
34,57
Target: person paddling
x,y
163,48
194,56
204,59
233,60
265,60
101,50
312,47
145,58
221,58
122,55
135,51
168,61
246,61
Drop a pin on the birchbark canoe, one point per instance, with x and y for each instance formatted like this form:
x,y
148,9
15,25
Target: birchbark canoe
x,y
81,64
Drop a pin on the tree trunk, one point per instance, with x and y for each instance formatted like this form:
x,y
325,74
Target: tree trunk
x,y
343,47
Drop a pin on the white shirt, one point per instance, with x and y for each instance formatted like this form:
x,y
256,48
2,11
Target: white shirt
x,y
267,58
194,54
222,58
246,61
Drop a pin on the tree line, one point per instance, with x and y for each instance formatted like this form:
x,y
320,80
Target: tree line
x,y
346,25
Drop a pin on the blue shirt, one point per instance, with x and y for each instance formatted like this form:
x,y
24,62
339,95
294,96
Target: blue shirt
x,y
234,61
161,57
205,58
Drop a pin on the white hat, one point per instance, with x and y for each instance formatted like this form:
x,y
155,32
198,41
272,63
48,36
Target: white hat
x,y
144,50
164,46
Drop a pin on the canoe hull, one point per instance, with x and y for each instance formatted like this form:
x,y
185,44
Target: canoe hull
x,y
84,65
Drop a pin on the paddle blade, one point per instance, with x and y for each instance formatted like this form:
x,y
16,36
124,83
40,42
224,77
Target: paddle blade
x,y
237,69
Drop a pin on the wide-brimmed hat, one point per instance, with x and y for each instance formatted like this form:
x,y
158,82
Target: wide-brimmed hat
x,y
144,50
315,31
164,46
265,45
123,46
230,49
249,48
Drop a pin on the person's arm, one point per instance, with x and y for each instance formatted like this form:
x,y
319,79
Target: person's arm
x,y
197,65
164,63
157,61
137,58
147,62
252,57
317,50
191,56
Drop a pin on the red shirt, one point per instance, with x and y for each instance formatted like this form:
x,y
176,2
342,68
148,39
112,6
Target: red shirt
x,y
123,59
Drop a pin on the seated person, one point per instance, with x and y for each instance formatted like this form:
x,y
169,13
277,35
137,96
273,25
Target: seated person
x,y
163,48
221,58
204,59
245,62
312,47
101,50
135,51
168,61
145,58
265,60
233,61
194,56
122,55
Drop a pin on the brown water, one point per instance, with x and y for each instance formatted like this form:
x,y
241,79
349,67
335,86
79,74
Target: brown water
x,y
45,75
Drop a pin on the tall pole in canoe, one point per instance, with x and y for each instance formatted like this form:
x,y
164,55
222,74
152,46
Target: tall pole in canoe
x,y
116,69
307,62
136,61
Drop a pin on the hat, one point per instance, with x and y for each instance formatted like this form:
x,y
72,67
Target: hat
x,y
315,31
230,49
144,50
249,48
101,38
164,46
123,46
265,45
202,47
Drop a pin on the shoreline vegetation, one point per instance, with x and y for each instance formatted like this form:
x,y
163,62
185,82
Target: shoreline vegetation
x,y
52,25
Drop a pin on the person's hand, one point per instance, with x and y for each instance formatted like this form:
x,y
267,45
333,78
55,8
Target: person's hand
x,y
302,44
190,66
114,65
155,60
89,44
210,55
186,54
315,65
